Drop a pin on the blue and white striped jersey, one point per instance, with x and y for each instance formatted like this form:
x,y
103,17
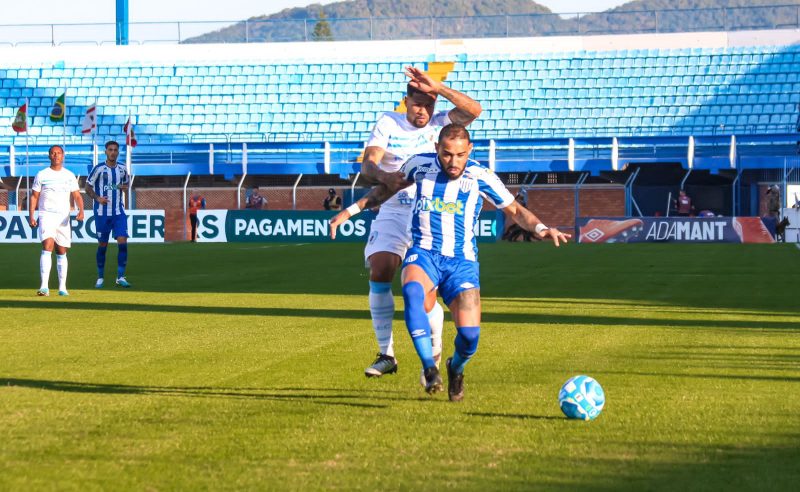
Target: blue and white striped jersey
x,y
401,140
446,210
105,181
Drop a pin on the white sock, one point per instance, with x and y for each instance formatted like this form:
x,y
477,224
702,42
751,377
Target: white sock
x,y
381,308
61,266
436,320
45,264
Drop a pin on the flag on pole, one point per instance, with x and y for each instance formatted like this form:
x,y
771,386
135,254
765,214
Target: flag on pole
x,y
20,123
90,120
57,113
130,136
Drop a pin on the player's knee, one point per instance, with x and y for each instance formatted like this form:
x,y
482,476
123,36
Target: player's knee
x,y
467,340
414,297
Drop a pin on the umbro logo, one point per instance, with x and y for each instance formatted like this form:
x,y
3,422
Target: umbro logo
x,y
467,285
594,235
412,258
417,333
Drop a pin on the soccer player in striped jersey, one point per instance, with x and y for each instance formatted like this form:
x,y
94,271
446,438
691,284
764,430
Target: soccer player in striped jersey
x,y
106,185
395,138
450,189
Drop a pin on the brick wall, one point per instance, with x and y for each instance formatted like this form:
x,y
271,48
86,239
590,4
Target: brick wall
x,y
553,204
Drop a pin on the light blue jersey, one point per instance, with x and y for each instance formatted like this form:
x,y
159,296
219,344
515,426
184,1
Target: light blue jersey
x,y
445,211
106,181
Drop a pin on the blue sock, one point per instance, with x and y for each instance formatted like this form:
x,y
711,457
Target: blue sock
x,y
466,345
417,322
122,259
101,261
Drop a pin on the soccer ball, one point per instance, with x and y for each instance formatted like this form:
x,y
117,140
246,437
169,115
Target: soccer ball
x,y
581,397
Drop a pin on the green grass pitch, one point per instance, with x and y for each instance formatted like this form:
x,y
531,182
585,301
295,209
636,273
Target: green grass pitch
x,y
233,367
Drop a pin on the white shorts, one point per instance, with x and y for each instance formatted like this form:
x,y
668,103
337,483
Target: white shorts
x,y
55,226
388,234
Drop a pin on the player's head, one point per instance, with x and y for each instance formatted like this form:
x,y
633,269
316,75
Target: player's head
x,y
331,192
56,155
419,106
453,148
112,151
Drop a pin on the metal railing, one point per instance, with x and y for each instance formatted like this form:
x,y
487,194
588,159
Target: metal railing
x,y
432,26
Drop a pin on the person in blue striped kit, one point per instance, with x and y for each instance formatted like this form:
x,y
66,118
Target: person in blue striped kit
x,y
106,185
450,189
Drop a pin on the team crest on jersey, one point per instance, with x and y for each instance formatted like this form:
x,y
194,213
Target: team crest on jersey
x,y
465,184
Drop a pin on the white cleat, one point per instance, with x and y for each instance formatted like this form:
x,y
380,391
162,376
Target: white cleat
x,y
99,284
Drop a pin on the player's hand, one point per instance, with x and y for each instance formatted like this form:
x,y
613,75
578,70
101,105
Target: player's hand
x,y
32,221
79,218
337,220
557,236
101,200
422,81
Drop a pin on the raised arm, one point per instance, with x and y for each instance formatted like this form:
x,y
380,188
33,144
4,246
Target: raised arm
x,y
466,109
528,221
375,197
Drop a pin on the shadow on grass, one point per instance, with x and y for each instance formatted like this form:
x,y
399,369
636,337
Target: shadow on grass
x,y
321,396
359,314
518,416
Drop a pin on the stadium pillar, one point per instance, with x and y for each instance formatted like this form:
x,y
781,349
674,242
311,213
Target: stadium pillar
x,y
12,171
122,22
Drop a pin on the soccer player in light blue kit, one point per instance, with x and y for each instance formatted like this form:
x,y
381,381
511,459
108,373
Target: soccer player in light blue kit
x,y
450,189
106,185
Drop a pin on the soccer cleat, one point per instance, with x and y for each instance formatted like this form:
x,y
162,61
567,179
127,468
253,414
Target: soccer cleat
x,y
455,383
384,364
43,292
433,380
123,282
437,359
63,293
99,284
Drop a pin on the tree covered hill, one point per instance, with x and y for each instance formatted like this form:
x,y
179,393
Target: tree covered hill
x,y
418,19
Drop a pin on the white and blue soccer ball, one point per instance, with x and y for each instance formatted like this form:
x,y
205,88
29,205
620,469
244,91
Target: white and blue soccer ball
x,y
582,398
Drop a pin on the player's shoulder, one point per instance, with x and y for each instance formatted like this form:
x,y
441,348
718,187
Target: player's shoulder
x,y
425,158
390,118
477,170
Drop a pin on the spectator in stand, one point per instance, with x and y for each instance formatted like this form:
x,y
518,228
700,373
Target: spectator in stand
x,y
684,205
196,202
255,201
332,201
774,202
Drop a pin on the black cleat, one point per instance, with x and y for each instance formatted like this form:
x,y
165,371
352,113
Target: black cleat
x,y
455,383
433,381
384,364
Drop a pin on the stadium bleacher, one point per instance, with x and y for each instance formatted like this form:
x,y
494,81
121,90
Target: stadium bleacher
x,y
632,92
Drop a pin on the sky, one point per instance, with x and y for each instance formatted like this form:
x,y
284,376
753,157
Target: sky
x,y
16,12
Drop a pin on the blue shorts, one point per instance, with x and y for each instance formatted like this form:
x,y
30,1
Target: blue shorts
x,y
103,225
450,275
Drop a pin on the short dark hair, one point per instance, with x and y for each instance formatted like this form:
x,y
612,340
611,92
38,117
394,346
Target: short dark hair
x,y
411,90
454,131
53,147
112,142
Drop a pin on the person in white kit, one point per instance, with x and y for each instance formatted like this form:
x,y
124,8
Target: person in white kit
x,y
394,139
51,192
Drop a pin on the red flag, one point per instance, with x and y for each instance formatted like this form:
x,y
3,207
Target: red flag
x,y
130,136
90,120
20,123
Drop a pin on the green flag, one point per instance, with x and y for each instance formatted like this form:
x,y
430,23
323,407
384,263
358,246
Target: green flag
x,y
57,113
